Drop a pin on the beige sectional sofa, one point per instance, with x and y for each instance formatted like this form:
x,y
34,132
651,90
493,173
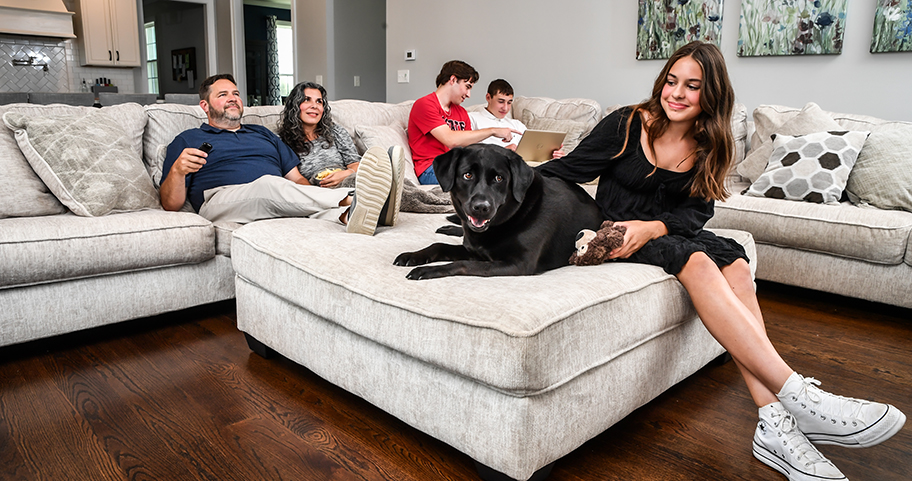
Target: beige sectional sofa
x,y
854,249
61,272
516,371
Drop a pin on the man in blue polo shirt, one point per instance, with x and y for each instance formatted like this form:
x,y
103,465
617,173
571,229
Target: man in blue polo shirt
x,y
250,174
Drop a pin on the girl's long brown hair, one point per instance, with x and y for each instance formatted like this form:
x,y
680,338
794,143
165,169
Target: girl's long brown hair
x,y
712,130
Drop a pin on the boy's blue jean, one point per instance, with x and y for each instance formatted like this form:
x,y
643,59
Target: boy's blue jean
x,y
428,177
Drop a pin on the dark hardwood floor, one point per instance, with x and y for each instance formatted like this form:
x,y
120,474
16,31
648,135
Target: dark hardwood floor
x,y
181,397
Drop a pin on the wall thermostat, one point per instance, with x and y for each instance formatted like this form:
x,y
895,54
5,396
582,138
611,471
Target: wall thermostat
x,y
410,55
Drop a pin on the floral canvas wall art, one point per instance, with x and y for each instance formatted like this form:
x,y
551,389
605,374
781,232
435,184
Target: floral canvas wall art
x,y
665,25
791,27
892,26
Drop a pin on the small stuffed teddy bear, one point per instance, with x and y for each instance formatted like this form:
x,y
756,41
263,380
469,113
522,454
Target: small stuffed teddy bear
x,y
592,248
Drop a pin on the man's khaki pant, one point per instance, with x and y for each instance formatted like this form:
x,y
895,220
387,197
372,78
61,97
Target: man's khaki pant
x,y
271,197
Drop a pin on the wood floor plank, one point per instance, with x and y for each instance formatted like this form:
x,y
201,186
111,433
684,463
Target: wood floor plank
x,y
181,397
54,440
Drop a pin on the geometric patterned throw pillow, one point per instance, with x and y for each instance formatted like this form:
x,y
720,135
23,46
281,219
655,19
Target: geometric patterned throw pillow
x,y
813,167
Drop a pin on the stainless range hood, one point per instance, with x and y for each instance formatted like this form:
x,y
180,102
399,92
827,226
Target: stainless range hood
x,y
43,18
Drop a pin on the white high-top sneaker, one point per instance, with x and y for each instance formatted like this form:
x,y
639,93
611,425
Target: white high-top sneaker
x,y
829,419
780,445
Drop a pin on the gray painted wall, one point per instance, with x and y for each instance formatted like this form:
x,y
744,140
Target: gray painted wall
x,y
360,49
337,40
587,48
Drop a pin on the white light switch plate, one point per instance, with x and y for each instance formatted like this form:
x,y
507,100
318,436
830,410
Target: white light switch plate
x,y
403,76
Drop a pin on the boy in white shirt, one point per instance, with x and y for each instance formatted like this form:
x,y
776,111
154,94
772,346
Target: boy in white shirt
x,y
500,102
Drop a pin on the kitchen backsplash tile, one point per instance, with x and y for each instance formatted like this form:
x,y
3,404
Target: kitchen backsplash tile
x,y
64,74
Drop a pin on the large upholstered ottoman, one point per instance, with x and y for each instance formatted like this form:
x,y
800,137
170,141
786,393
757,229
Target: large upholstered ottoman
x,y
513,371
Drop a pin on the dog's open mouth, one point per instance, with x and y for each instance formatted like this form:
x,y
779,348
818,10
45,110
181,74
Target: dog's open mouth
x,y
478,224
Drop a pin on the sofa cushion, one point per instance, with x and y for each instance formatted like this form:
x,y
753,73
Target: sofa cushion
x,y
521,335
90,161
774,119
224,231
573,128
812,167
266,115
882,176
38,250
165,121
351,114
580,110
22,193
386,136
843,230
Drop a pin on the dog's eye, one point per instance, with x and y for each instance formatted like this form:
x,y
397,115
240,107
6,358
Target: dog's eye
x,y
498,178
467,176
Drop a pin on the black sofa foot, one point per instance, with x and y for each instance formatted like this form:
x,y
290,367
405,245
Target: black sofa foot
x,y
723,358
488,474
258,347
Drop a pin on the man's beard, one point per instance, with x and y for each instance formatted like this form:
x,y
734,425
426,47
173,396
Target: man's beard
x,y
223,116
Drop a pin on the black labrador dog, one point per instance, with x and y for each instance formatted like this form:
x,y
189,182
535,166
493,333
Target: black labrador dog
x,y
514,221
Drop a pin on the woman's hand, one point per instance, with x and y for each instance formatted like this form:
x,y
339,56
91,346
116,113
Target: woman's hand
x,y
333,180
638,234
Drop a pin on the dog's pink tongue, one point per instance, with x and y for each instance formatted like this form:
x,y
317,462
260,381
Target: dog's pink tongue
x,y
477,222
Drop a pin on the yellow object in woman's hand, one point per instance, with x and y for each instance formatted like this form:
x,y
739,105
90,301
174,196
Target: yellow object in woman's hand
x,y
322,175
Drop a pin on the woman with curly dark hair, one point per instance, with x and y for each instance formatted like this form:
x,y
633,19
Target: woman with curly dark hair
x,y
328,155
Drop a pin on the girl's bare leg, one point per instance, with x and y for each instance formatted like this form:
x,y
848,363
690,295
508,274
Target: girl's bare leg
x,y
726,302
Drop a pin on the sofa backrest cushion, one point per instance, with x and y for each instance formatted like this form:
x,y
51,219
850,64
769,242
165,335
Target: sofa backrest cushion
x,y
351,114
166,121
774,119
22,193
586,111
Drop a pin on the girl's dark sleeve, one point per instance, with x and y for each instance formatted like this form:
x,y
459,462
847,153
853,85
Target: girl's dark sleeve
x,y
593,154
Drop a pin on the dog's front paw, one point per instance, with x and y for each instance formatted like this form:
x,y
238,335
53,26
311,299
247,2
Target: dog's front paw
x,y
453,230
422,273
410,259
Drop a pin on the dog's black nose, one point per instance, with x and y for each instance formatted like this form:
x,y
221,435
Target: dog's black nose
x,y
481,209
580,235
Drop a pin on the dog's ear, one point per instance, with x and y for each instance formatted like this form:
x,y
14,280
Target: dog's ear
x,y
445,168
521,175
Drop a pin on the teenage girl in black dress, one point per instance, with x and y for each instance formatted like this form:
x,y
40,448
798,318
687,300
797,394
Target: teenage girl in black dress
x,y
661,164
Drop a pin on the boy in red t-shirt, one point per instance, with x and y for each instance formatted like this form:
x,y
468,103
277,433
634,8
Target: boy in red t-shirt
x,y
438,122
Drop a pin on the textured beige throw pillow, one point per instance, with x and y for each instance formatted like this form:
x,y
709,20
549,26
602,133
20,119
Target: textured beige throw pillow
x,y
88,161
882,176
768,121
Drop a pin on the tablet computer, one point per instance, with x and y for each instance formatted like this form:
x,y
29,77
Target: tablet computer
x,y
537,145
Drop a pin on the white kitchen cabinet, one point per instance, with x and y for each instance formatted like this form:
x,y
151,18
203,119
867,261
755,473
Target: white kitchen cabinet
x,y
108,33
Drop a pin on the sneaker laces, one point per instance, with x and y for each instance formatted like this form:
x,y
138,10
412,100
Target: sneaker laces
x,y
796,442
830,403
